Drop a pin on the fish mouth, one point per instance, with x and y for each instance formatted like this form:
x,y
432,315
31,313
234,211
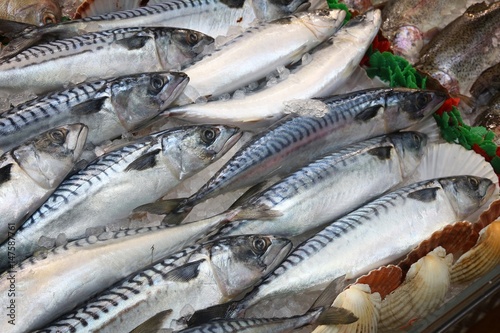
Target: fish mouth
x,y
168,98
231,141
279,250
81,139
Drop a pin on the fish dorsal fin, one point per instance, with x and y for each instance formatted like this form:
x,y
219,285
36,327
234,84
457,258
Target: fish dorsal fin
x,y
88,107
424,195
214,312
144,162
336,316
133,43
154,323
368,113
185,273
5,172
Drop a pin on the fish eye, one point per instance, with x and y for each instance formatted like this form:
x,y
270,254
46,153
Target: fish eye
x,y
156,83
58,136
474,183
417,139
192,38
260,245
208,135
423,100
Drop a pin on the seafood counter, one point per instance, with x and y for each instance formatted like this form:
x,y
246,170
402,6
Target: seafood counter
x,y
204,166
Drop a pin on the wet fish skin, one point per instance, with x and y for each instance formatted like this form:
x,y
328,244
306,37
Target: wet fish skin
x,y
299,139
86,58
486,85
30,172
109,108
405,216
36,12
109,188
219,271
463,49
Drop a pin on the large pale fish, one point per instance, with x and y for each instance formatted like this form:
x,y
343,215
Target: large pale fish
x,y
215,273
373,235
36,12
30,172
297,140
212,17
331,65
87,58
464,49
109,108
109,188
257,52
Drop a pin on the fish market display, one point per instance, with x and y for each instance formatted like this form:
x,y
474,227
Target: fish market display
x,y
405,217
36,12
30,172
266,47
109,188
219,271
329,68
87,57
107,107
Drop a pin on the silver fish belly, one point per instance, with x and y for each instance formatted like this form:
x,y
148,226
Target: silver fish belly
x,y
219,271
107,107
113,185
373,235
30,172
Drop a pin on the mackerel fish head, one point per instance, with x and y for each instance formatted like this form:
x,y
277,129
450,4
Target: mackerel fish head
x,y
241,262
138,98
189,149
268,10
180,46
410,146
322,22
467,193
50,156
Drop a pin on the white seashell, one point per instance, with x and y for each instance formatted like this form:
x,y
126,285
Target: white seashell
x,y
482,258
100,7
365,305
422,291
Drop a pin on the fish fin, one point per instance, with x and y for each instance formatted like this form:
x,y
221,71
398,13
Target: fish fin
x,y
153,324
217,311
5,173
336,316
424,195
326,298
10,28
175,218
468,100
368,113
256,213
383,153
185,273
89,107
249,193
134,42
428,127
144,162
160,207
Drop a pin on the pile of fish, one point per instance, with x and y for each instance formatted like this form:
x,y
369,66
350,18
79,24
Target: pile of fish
x,y
176,166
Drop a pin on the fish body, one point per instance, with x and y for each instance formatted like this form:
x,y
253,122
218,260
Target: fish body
x,y
330,66
109,188
108,108
332,186
373,235
87,58
30,172
463,49
257,52
486,85
219,271
36,12
297,140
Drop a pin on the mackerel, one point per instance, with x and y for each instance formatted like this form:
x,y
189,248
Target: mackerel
x,y
108,107
332,186
212,17
266,47
298,140
109,188
30,172
330,67
57,64
219,271
373,235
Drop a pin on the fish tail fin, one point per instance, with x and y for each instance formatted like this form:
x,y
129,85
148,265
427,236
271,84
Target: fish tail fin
x,y
336,316
10,28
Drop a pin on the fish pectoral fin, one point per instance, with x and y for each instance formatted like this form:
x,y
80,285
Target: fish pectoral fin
x,y
144,162
336,316
134,42
368,113
154,323
424,195
211,313
5,173
185,273
88,107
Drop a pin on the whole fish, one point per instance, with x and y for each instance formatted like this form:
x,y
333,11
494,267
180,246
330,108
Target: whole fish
x,y
87,57
212,17
30,172
36,12
331,64
297,140
109,188
108,107
266,46
464,48
331,187
373,235
219,271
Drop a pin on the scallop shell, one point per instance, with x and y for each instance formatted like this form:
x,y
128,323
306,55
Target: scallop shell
x,y
481,259
488,216
423,290
364,304
100,7
383,280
